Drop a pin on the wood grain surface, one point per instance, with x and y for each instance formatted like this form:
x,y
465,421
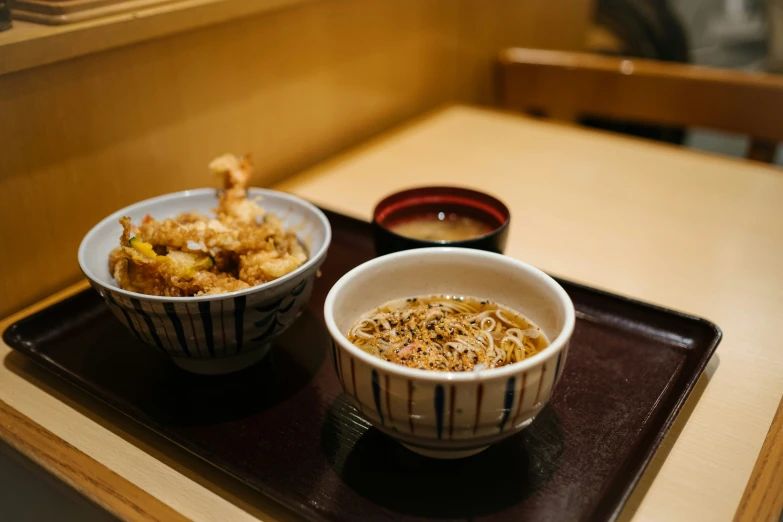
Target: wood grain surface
x,y
30,45
50,13
763,497
94,480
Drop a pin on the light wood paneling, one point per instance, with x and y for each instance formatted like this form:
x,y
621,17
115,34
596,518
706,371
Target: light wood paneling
x,y
485,27
30,45
83,137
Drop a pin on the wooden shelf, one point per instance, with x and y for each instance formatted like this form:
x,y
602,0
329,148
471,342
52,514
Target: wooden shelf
x,y
28,45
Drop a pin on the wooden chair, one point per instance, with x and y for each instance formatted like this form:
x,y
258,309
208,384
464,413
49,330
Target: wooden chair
x,y
563,84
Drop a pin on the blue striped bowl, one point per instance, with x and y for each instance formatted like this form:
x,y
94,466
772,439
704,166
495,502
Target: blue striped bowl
x,y
449,415
212,334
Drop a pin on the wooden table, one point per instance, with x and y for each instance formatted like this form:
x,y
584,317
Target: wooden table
x,y
687,230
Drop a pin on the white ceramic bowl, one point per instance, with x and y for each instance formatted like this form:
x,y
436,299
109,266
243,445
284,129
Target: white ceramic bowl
x,y
438,414
211,334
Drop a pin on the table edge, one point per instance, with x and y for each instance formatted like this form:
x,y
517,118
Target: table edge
x,y
87,476
765,478
92,479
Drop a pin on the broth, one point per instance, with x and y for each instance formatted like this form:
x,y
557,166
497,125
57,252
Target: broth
x,y
441,227
447,333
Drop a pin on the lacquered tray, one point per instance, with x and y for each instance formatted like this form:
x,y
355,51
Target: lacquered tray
x,y
284,428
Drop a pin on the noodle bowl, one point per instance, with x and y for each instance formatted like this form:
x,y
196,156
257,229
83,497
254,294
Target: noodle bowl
x,y
442,413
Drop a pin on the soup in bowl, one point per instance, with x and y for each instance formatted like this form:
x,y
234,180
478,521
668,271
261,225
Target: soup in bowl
x,y
440,216
497,346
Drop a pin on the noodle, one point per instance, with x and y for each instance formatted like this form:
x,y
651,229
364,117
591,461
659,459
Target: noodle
x,y
446,333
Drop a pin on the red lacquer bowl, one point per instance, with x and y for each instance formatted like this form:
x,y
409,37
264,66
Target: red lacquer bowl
x,y
422,202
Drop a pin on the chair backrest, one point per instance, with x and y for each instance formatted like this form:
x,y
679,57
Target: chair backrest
x,y
555,83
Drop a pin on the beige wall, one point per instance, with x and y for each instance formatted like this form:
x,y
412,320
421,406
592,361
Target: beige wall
x,y
81,138
487,26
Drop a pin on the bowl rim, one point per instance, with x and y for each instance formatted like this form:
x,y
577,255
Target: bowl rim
x,y
556,345
435,189
314,260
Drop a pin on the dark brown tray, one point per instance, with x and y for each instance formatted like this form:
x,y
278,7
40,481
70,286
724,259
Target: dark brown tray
x,y
284,428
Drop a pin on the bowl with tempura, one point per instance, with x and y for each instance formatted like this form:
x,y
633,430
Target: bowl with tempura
x,y
209,277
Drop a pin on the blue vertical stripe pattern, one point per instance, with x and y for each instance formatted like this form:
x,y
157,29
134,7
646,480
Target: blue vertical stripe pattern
x,y
270,327
540,384
110,297
353,383
376,394
264,321
479,396
174,318
439,406
194,335
509,400
340,374
388,399
125,314
202,329
297,291
239,319
452,407
206,320
335,355
269,307
557,366
148,321
521,398
223,328
286,308
165,335
410,404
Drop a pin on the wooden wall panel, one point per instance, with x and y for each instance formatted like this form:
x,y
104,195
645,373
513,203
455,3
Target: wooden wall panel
x,y
83,137
487,26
